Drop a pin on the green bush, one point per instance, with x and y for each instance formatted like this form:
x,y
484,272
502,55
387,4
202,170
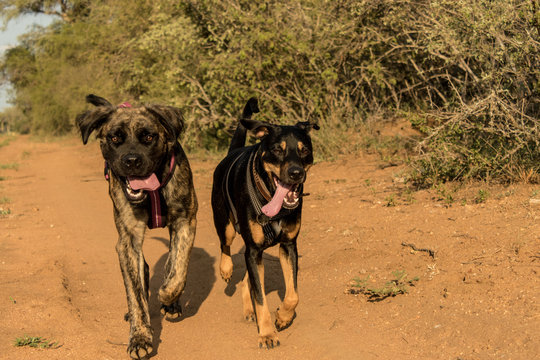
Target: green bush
x,y
464,73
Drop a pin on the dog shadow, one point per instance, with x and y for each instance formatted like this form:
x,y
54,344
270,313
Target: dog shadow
x,y
273,275
199,283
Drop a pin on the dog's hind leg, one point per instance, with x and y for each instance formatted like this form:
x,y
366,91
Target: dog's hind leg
x,y
288,257
226,236
226,232
182,233
135,274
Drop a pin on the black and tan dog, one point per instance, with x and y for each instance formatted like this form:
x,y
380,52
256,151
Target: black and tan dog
x,y
257,192
150,184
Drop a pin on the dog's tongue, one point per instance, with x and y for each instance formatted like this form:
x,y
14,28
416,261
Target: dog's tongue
x,y
272,208
150,183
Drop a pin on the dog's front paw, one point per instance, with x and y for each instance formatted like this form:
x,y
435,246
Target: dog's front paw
x,y
172,311
249,315
140,346
226,268
268,341
283,321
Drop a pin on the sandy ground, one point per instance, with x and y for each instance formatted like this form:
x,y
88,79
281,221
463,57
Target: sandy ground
x,y
477,298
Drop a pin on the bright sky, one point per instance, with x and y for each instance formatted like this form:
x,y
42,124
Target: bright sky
x,y
8,38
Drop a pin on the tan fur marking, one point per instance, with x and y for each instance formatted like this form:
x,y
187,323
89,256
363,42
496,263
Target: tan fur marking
x,y
226,265
230,233
291,229
301,145
283,145
256,232
285,313
271,169
267,332
249,313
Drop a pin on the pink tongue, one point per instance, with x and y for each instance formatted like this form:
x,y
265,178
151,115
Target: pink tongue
x,y
150,183
272,208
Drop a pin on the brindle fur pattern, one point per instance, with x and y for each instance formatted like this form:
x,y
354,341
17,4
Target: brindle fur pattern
x,y
147,134
284,152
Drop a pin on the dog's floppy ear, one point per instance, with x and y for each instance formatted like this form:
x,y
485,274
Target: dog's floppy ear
x,y
97,100
259,128
91,120
307,126
170,117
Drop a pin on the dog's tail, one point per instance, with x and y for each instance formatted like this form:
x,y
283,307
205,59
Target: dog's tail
x,y
239,138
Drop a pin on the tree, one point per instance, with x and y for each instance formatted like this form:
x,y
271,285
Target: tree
x,y
68,11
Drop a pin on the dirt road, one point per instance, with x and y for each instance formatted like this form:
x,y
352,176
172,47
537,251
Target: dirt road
x,y
477,298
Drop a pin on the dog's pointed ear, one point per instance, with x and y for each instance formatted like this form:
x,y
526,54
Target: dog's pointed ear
x,y
170,117
307,126
259,129
91,120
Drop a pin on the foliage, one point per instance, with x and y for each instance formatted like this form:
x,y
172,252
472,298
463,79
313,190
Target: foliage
x,y
482,196
6,139
464,73
67,10
35,342
398,285
14,166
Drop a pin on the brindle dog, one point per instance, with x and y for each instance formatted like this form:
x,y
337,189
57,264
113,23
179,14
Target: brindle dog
x,y
141,150
271,172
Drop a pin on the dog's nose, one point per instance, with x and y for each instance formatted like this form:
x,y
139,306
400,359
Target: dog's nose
x,y
131,161
295,173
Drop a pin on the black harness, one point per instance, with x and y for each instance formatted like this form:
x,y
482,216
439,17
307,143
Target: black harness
x,y
271,225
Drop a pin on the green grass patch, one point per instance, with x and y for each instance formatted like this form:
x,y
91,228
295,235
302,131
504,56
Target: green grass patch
x,y
482,196
4,200
35,342
398,285
5,140
445,193
13,166
390,200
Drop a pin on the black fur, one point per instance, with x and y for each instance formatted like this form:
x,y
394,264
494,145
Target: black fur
x,y
284,153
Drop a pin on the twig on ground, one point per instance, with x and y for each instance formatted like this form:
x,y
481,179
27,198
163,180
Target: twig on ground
x,y
117,343
412,246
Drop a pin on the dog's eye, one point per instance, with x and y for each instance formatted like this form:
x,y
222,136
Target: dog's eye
x,y
148,138
277,151
304,152
115,139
